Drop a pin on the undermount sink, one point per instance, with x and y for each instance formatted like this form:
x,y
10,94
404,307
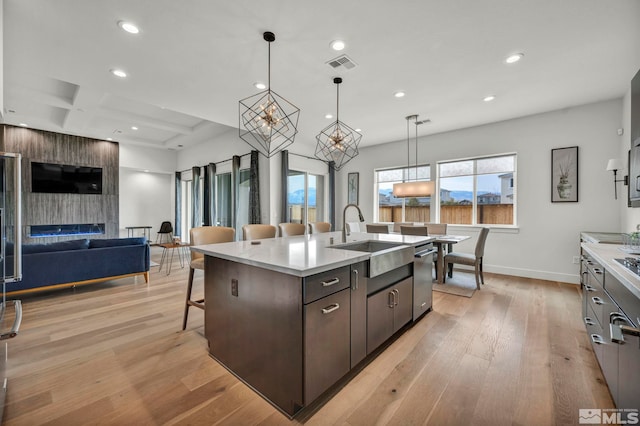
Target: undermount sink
x,y
385,256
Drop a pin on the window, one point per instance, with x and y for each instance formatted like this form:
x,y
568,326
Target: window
x,y
478,191
305,197
392,209
223,199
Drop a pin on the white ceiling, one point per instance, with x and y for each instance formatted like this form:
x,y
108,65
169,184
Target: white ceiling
x,y
194,60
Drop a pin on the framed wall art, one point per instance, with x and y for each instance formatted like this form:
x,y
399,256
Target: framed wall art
x,y
564,175
352,188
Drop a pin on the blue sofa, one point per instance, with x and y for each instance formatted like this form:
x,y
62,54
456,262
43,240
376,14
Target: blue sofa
x,y
70,263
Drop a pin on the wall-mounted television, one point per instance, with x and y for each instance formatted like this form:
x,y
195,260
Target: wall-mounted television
x,y
65,179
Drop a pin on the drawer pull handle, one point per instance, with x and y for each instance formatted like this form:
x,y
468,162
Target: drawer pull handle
x,y
397,296
598,340
597,271
355,282
589,288
597,301
330,282
331,308
588,321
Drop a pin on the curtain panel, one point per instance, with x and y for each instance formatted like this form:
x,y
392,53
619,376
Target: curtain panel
x,y
235,183
254,189
284,182
331,208
209,195
178,206
196,213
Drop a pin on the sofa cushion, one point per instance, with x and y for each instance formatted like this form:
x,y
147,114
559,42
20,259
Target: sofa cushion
x,y
117,242
58,246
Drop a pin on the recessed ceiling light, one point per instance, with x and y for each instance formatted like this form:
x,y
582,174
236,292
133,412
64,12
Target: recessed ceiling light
x,y
328,116
259,85
134,128
514,58
399,94
358,130
146,170
109,139
118,73
129,27
337,45
489,98
23,125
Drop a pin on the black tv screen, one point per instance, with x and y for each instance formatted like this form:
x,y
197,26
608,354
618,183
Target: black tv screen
x,y
65,179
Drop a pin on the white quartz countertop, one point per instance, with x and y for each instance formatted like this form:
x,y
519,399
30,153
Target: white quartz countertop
x,y
606,254
302,255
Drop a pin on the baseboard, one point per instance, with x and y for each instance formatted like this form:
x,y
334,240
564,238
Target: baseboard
x,y
530,273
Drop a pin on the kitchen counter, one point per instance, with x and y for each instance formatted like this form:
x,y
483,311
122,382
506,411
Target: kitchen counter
x,y
605,255
602,237
302,255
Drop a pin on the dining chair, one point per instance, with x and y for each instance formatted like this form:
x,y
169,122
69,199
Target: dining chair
x,y
199,236
258,232
288,229
353,227
377,228
436,228
166,229
474,260
319,227
413,230
398,225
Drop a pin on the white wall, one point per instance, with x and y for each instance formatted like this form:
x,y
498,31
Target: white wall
x,y
630,217
547,236
146,199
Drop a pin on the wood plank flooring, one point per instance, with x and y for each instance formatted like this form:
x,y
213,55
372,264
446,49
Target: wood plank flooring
x,y
516,353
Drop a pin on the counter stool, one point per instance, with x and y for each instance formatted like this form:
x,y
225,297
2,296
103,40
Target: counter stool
x,y
199,236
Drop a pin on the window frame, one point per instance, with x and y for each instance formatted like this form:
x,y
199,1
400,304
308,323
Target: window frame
x,y
409,174
474,222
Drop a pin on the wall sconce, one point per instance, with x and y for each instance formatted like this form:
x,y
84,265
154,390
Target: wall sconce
x,y
614,165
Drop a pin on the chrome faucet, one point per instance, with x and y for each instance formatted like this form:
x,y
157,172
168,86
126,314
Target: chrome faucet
x,y
345,233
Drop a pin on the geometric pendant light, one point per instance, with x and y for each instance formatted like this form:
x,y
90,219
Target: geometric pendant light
x,y
417,188
268,122
338,142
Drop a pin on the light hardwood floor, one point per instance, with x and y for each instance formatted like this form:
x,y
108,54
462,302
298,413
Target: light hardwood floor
x,y
516,353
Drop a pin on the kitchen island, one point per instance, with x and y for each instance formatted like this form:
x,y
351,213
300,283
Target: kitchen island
x,y
292,316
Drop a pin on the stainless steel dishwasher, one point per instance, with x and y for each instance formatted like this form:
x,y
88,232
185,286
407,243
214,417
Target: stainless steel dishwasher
x,y
422,279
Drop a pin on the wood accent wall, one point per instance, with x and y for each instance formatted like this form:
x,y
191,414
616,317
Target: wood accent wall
x,y
63,209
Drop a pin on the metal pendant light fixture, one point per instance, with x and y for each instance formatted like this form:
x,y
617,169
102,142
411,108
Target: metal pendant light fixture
x,y
415,188
338,142
268,122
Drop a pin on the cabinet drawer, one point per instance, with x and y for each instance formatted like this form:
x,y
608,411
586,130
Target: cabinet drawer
x,y
596,270
599,302
595,334
325,283
629,303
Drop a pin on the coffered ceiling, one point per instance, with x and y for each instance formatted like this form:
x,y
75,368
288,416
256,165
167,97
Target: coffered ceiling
x,y
194,60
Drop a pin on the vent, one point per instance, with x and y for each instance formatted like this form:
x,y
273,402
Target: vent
x,y
342,62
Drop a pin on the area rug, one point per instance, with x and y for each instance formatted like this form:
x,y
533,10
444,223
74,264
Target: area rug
x,y
462,284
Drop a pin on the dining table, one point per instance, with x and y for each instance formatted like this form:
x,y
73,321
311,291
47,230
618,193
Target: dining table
x,y
440,242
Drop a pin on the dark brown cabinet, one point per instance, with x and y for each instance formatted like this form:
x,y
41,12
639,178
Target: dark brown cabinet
x,y
388,311
327,347
359,282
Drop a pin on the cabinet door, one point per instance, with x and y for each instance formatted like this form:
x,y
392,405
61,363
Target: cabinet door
x,y
629,373
379,318
358,313
403,310
326,343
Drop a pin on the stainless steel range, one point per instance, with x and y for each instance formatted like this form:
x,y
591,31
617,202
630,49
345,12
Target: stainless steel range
x,y
631,263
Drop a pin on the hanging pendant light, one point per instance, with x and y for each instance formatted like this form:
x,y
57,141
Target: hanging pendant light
x,y
268,122
415,188
338,142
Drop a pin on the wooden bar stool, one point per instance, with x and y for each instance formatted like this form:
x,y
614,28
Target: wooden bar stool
x,y
199,236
